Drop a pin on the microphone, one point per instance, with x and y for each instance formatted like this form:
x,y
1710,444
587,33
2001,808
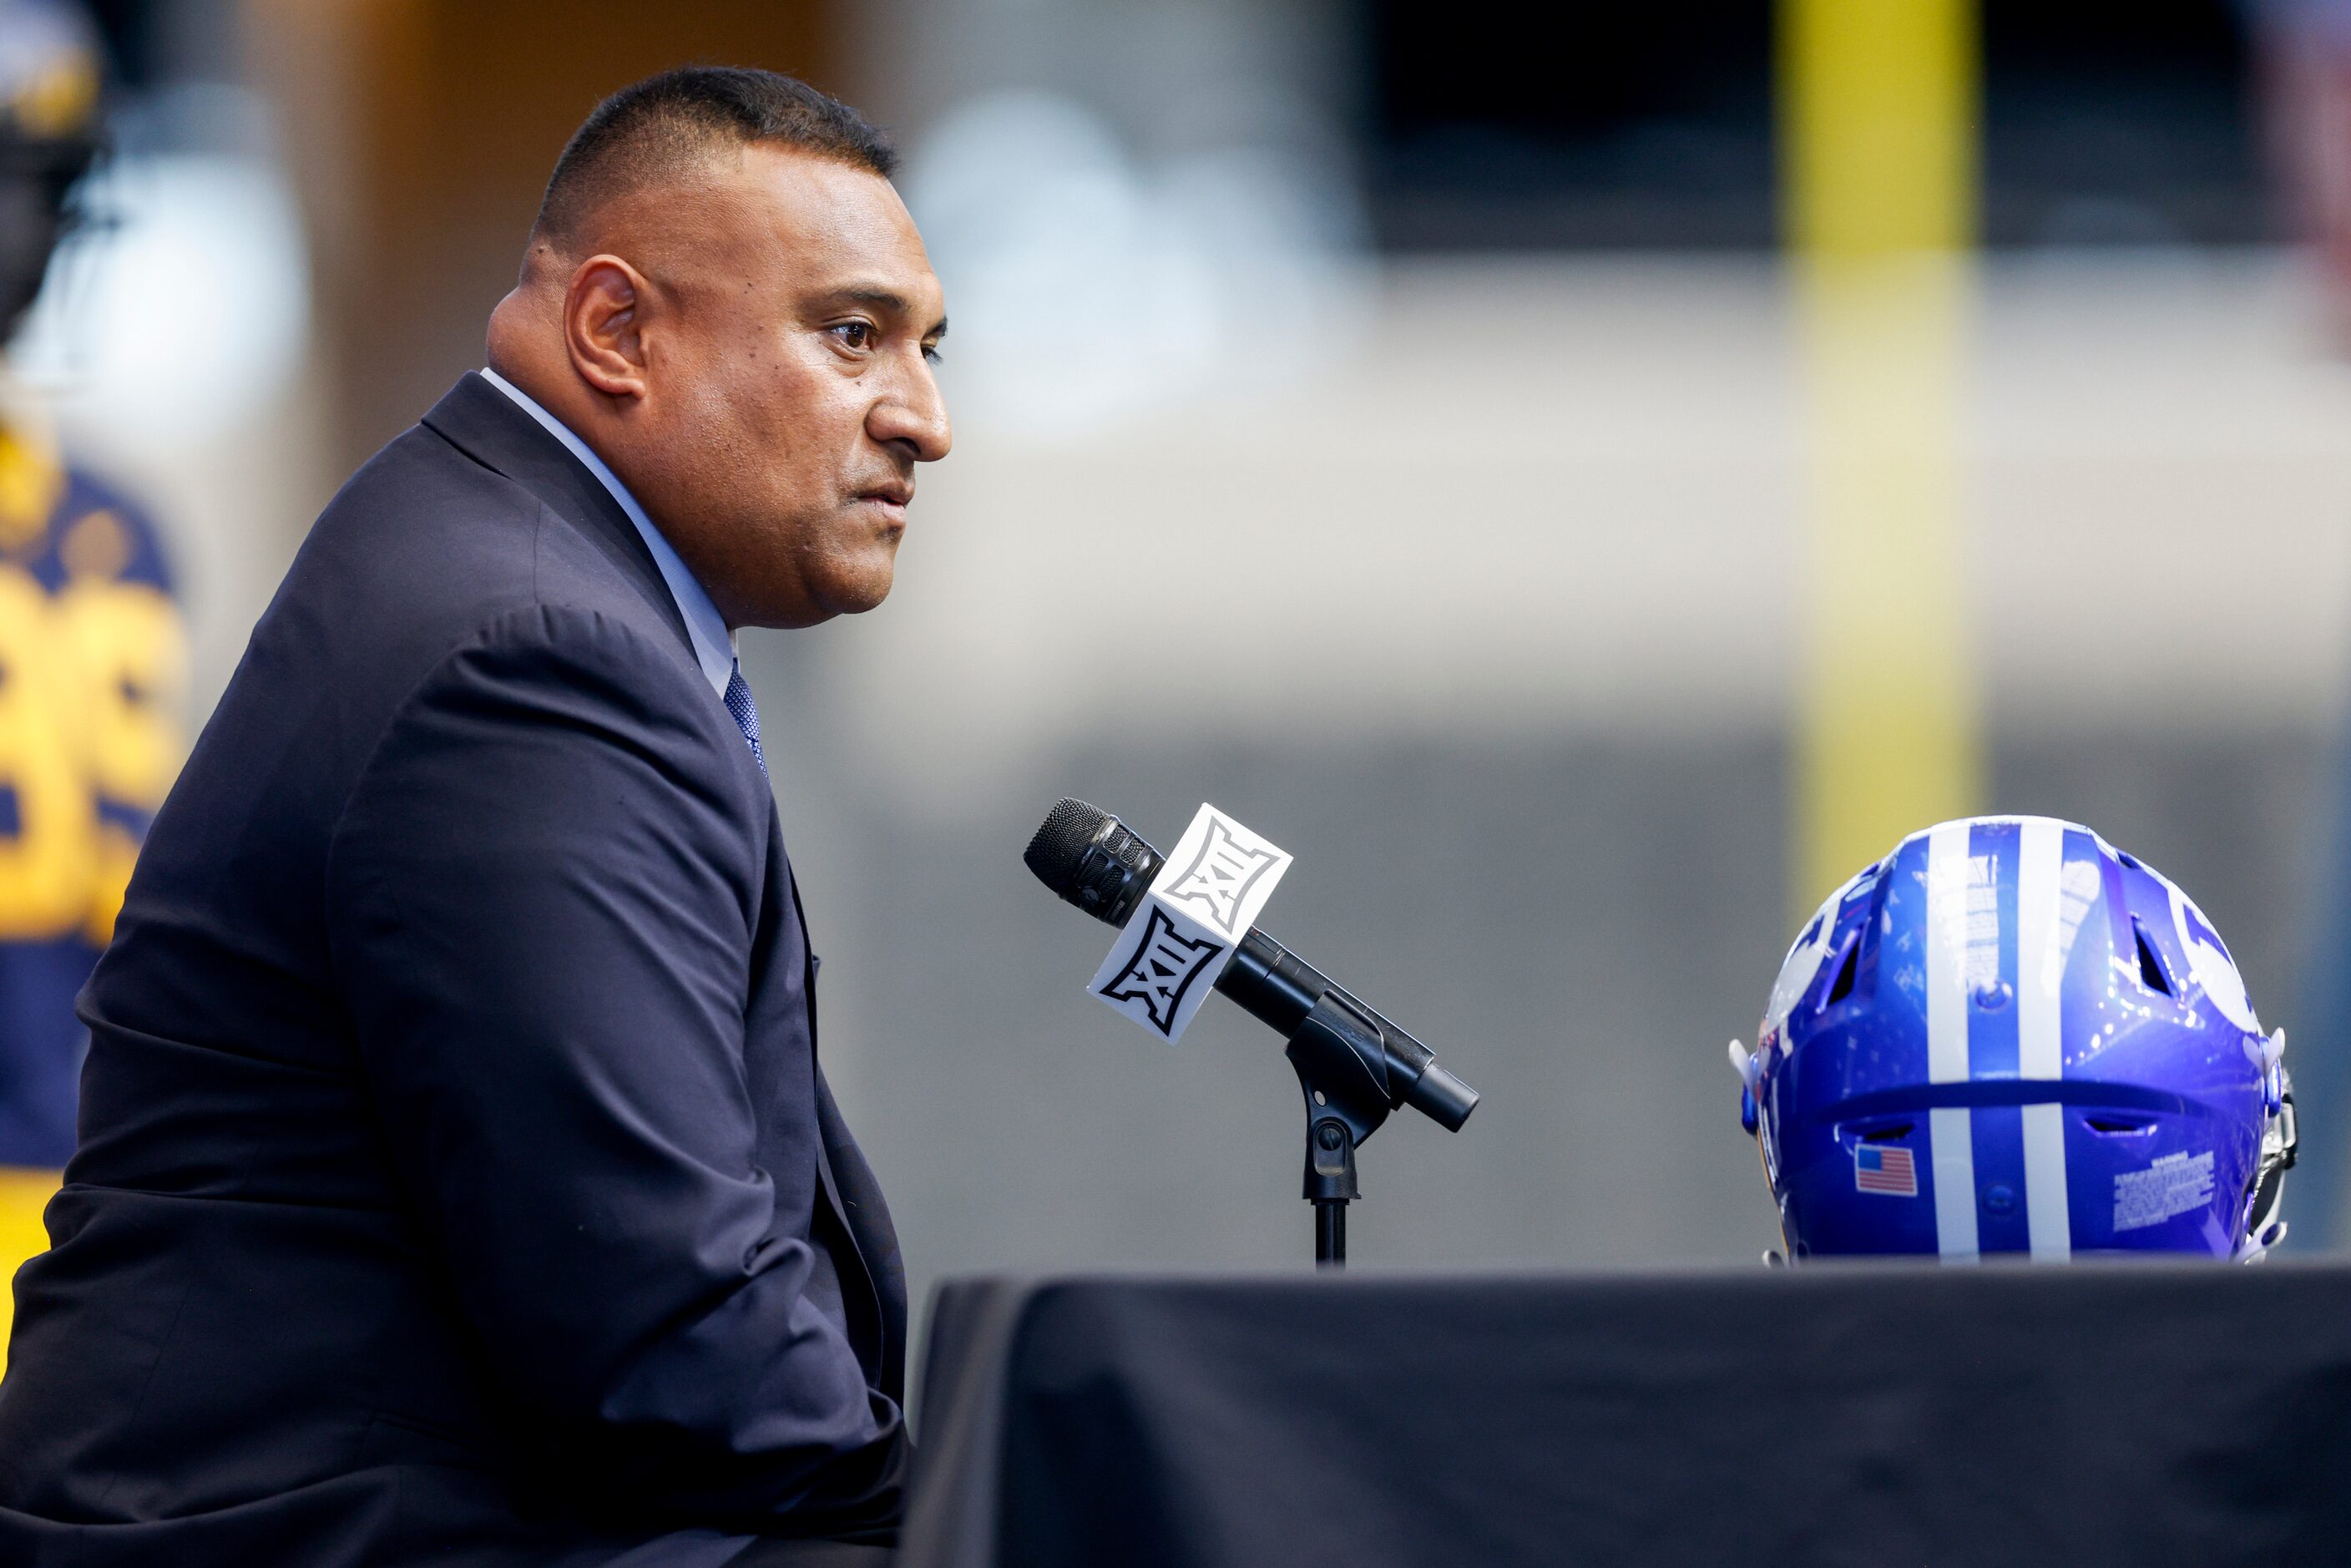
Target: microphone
x,y
1090,859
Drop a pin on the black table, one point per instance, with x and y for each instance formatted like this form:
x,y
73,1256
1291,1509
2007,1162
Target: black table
x,y
2128,1414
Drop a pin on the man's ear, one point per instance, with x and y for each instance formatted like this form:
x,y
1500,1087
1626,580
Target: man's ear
x,y
604,327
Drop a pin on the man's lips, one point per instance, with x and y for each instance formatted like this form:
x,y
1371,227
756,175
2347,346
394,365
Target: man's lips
x,y
890,500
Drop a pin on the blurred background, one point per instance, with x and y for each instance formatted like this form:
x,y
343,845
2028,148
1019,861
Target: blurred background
x,y
1610,470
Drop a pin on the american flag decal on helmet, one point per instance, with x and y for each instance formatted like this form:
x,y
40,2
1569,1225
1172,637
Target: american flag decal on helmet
x,y
1882,1167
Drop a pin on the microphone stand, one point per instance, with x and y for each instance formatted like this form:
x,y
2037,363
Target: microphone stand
x,y
1353,1066
1342,1070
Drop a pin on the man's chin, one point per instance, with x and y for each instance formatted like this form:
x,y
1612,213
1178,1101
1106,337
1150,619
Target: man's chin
x,y
868,589
852,588
850,594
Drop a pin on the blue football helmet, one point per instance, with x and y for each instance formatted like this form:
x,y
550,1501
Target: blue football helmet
x,y
2009,1037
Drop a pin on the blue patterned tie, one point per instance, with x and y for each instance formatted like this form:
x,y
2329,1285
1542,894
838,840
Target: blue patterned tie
x,y
746,715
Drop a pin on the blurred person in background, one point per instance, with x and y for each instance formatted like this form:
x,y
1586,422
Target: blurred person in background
x,y
91,650
2304,49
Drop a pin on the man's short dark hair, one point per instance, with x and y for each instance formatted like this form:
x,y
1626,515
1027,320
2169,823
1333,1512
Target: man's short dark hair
x,y
654,130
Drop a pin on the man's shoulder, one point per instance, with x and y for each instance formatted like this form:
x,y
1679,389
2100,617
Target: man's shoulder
x,y
426,559
419,525
425,547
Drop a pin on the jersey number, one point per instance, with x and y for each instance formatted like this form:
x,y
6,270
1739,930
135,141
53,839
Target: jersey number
x,y
88,683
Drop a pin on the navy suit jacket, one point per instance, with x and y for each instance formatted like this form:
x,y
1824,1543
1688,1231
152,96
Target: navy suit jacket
x,y
456,1181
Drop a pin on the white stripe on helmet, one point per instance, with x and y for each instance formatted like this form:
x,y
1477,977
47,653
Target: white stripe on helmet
x,y
1951,1134
1949,1129
2041,950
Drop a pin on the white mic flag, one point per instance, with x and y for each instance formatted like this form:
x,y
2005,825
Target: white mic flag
x,y
1203,901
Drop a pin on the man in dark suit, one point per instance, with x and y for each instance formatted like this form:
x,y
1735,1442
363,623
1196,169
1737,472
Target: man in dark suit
x,y
458,1183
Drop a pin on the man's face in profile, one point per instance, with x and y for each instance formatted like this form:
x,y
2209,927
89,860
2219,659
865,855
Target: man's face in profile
x,y
792,390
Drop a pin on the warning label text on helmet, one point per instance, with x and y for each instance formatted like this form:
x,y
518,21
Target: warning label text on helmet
x,y
2174,1184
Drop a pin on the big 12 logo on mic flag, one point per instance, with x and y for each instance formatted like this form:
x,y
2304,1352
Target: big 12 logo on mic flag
x,y
1203,901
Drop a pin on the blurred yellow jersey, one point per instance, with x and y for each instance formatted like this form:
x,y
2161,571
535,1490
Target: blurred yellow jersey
x,y
92,671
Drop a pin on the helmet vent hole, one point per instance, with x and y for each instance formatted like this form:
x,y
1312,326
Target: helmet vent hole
x,y
2150,967
1886,1133
2112,1124
1842,987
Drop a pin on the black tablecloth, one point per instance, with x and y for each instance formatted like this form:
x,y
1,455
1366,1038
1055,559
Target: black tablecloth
x,y
1880,1416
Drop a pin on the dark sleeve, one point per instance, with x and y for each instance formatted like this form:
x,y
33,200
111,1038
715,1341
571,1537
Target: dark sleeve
x,y
541,900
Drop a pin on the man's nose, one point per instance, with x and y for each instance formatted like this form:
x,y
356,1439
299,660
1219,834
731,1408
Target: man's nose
x,y
913,415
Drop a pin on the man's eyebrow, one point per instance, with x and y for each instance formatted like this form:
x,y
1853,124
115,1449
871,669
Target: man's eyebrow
x,y
871,294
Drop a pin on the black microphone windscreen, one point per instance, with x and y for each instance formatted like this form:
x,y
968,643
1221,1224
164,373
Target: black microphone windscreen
x,y
1061,845
1090,859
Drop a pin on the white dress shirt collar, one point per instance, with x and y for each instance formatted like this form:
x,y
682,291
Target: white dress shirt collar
x,y
714,645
